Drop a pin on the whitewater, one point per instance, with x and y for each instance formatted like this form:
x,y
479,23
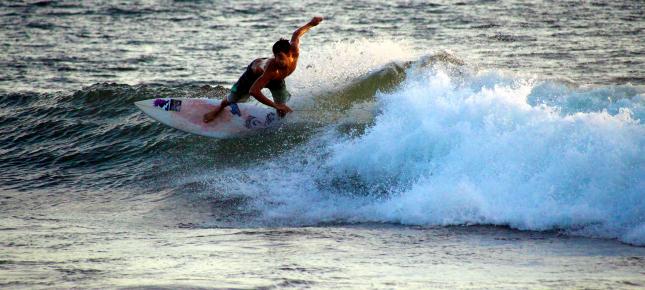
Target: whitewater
x,y
455,146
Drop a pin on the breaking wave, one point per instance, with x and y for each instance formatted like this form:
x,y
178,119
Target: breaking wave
x,y
418,140
453,147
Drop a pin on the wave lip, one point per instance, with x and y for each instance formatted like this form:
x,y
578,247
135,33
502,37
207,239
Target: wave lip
x,y
479,148
480,153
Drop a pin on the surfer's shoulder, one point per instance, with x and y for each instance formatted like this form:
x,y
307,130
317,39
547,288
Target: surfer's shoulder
x,y
276,63
259,65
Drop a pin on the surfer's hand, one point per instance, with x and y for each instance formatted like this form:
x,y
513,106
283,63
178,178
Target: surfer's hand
x,y
282,109
315,21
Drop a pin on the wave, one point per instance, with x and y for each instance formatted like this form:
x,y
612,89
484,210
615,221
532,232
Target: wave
x,y
420,140
493,150
95,137
462,148
92,138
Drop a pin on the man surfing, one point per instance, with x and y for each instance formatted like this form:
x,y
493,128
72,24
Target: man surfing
x,y
268,73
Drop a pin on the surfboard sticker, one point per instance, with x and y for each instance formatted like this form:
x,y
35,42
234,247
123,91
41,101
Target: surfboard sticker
x,y
254,122
168,104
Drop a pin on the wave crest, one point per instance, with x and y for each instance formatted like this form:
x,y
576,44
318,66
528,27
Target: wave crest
x,y
481,148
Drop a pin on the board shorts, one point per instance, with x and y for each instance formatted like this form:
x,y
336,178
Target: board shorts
x,y
240,90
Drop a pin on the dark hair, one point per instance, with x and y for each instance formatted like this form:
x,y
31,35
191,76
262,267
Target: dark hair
x,y
281,45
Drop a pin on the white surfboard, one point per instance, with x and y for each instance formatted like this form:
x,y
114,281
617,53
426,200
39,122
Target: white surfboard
x,y
187,114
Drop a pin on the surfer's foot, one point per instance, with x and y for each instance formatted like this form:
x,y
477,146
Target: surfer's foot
x,y
210,116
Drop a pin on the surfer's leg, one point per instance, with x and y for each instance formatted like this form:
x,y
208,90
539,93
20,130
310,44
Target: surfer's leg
x,y
280,94
210,116
235,96
232,97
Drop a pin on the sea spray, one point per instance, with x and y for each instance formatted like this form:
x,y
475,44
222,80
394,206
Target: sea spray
x,y
338,64
476,150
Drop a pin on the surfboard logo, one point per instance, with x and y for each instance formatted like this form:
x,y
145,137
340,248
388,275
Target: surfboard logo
x,y
270,118
168,104
253,122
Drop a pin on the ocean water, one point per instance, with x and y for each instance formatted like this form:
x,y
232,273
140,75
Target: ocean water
x,y
473,144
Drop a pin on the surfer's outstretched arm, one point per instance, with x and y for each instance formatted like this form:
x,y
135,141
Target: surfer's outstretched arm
x,y
295,38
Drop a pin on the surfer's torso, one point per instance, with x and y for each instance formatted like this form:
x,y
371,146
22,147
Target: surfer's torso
x,y
254,70
285,64
277,86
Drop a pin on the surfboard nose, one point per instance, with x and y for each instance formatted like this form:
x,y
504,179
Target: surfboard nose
x,y
142,104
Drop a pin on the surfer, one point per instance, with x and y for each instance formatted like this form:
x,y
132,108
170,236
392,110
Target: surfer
x,y
268,73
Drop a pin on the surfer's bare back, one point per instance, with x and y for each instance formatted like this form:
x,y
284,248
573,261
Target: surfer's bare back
x,y
268,73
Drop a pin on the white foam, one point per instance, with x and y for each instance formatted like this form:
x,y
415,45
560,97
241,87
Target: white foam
x,y
487,148
331,66
480,154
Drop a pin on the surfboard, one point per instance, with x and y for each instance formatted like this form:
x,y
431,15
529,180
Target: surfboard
x,y
187,114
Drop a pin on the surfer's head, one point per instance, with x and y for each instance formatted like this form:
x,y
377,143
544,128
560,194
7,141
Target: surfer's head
x,y
281,46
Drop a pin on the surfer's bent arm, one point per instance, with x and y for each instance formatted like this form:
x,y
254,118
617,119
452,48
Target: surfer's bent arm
x,y
256,88
295,38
